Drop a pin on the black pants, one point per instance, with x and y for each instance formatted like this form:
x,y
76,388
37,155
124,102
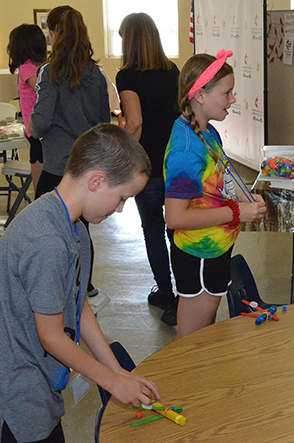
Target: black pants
x,y
150,202
47,183
56,435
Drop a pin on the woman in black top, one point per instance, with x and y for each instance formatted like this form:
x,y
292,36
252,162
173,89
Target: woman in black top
x,y
148,87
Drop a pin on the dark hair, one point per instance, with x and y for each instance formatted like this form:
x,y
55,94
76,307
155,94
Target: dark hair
x,y
55,15
190,72
141,44
71,50
26,42
110,149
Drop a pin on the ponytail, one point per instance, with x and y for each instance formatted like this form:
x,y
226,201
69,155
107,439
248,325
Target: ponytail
x,y
71,50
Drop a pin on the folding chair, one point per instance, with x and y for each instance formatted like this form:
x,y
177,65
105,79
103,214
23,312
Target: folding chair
x,y
243,287
127,363
15,168
12,167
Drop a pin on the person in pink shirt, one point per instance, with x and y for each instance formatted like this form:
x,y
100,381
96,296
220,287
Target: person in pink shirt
x,y
27,50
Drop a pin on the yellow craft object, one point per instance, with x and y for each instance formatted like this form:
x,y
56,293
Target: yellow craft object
x,y
169,413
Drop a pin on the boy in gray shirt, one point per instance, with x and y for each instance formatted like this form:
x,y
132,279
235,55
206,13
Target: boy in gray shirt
x,y
45,262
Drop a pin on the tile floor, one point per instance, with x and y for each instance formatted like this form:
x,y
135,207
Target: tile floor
x,y
122,273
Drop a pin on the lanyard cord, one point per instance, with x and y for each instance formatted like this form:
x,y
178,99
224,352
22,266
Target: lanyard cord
x,y
245,191
78,317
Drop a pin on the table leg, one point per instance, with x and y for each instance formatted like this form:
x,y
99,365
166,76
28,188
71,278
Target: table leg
x,y
292,276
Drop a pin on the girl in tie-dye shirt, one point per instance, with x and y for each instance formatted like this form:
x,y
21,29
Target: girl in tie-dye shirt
x,y
201,203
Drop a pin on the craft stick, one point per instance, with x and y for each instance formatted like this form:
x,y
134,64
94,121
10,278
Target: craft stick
x,y
162,408
249,315
155,408
259,309
168,413
146,420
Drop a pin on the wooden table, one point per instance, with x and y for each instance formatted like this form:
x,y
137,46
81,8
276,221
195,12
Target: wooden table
x,y
234,381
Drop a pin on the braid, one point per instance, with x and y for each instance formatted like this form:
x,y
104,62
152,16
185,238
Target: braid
x,y
188,113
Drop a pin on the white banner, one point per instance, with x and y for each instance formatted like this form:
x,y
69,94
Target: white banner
x,y
237,25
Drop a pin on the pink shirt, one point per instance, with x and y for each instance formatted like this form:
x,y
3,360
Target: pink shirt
x,y
26,93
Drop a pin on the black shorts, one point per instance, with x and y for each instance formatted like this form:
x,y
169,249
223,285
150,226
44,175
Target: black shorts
x,y
195,275
36,153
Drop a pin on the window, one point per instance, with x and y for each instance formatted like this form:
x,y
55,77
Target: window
x,y
163,12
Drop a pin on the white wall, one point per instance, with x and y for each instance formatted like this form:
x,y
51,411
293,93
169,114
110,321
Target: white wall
x,y
278,5
15,12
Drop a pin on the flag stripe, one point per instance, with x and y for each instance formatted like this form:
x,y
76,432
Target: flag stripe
x,y
191,31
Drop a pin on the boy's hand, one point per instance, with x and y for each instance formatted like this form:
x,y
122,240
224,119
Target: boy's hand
x,y
252,211
134,389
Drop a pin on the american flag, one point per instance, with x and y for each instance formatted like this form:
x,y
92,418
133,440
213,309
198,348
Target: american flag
x,y
191,32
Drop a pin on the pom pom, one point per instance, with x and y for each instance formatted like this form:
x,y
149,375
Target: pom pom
x,y
278,167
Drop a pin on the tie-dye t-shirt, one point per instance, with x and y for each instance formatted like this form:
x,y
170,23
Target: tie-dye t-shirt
x,y
190,173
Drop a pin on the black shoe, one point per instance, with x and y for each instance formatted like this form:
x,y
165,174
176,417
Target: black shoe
x,y
169,317
156,298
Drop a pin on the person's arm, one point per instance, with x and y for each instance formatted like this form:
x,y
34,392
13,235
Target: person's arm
x,y
107,373
179,215
43,113
114,101
32,81
132,111
96,343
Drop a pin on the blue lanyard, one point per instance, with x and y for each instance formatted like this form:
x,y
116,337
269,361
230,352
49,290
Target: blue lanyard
x,y
244,189
78,317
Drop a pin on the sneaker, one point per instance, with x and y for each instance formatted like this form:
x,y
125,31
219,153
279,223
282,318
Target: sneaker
x,y
93,293
169,317
156,298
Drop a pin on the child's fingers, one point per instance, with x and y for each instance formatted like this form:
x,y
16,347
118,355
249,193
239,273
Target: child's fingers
x,y
252,211
148,395
155,391
137,403
151,385
258,198
153,388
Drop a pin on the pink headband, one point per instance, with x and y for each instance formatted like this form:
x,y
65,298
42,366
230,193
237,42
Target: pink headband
x,y
210,72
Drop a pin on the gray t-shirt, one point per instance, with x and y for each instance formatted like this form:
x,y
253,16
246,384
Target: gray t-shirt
x,y
40,261
60,117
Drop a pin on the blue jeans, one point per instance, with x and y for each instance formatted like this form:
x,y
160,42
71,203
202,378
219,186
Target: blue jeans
x,y
150,203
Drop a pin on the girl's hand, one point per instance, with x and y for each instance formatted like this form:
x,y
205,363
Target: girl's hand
x,y
242,198
134,389
258,198
252,211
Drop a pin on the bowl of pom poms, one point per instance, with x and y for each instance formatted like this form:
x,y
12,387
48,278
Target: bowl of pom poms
x,y
276,167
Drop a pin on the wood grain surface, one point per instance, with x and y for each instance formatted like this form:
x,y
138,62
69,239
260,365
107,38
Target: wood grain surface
x,y
234,381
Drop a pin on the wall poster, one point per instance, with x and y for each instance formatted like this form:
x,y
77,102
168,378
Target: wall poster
x,y
238,25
